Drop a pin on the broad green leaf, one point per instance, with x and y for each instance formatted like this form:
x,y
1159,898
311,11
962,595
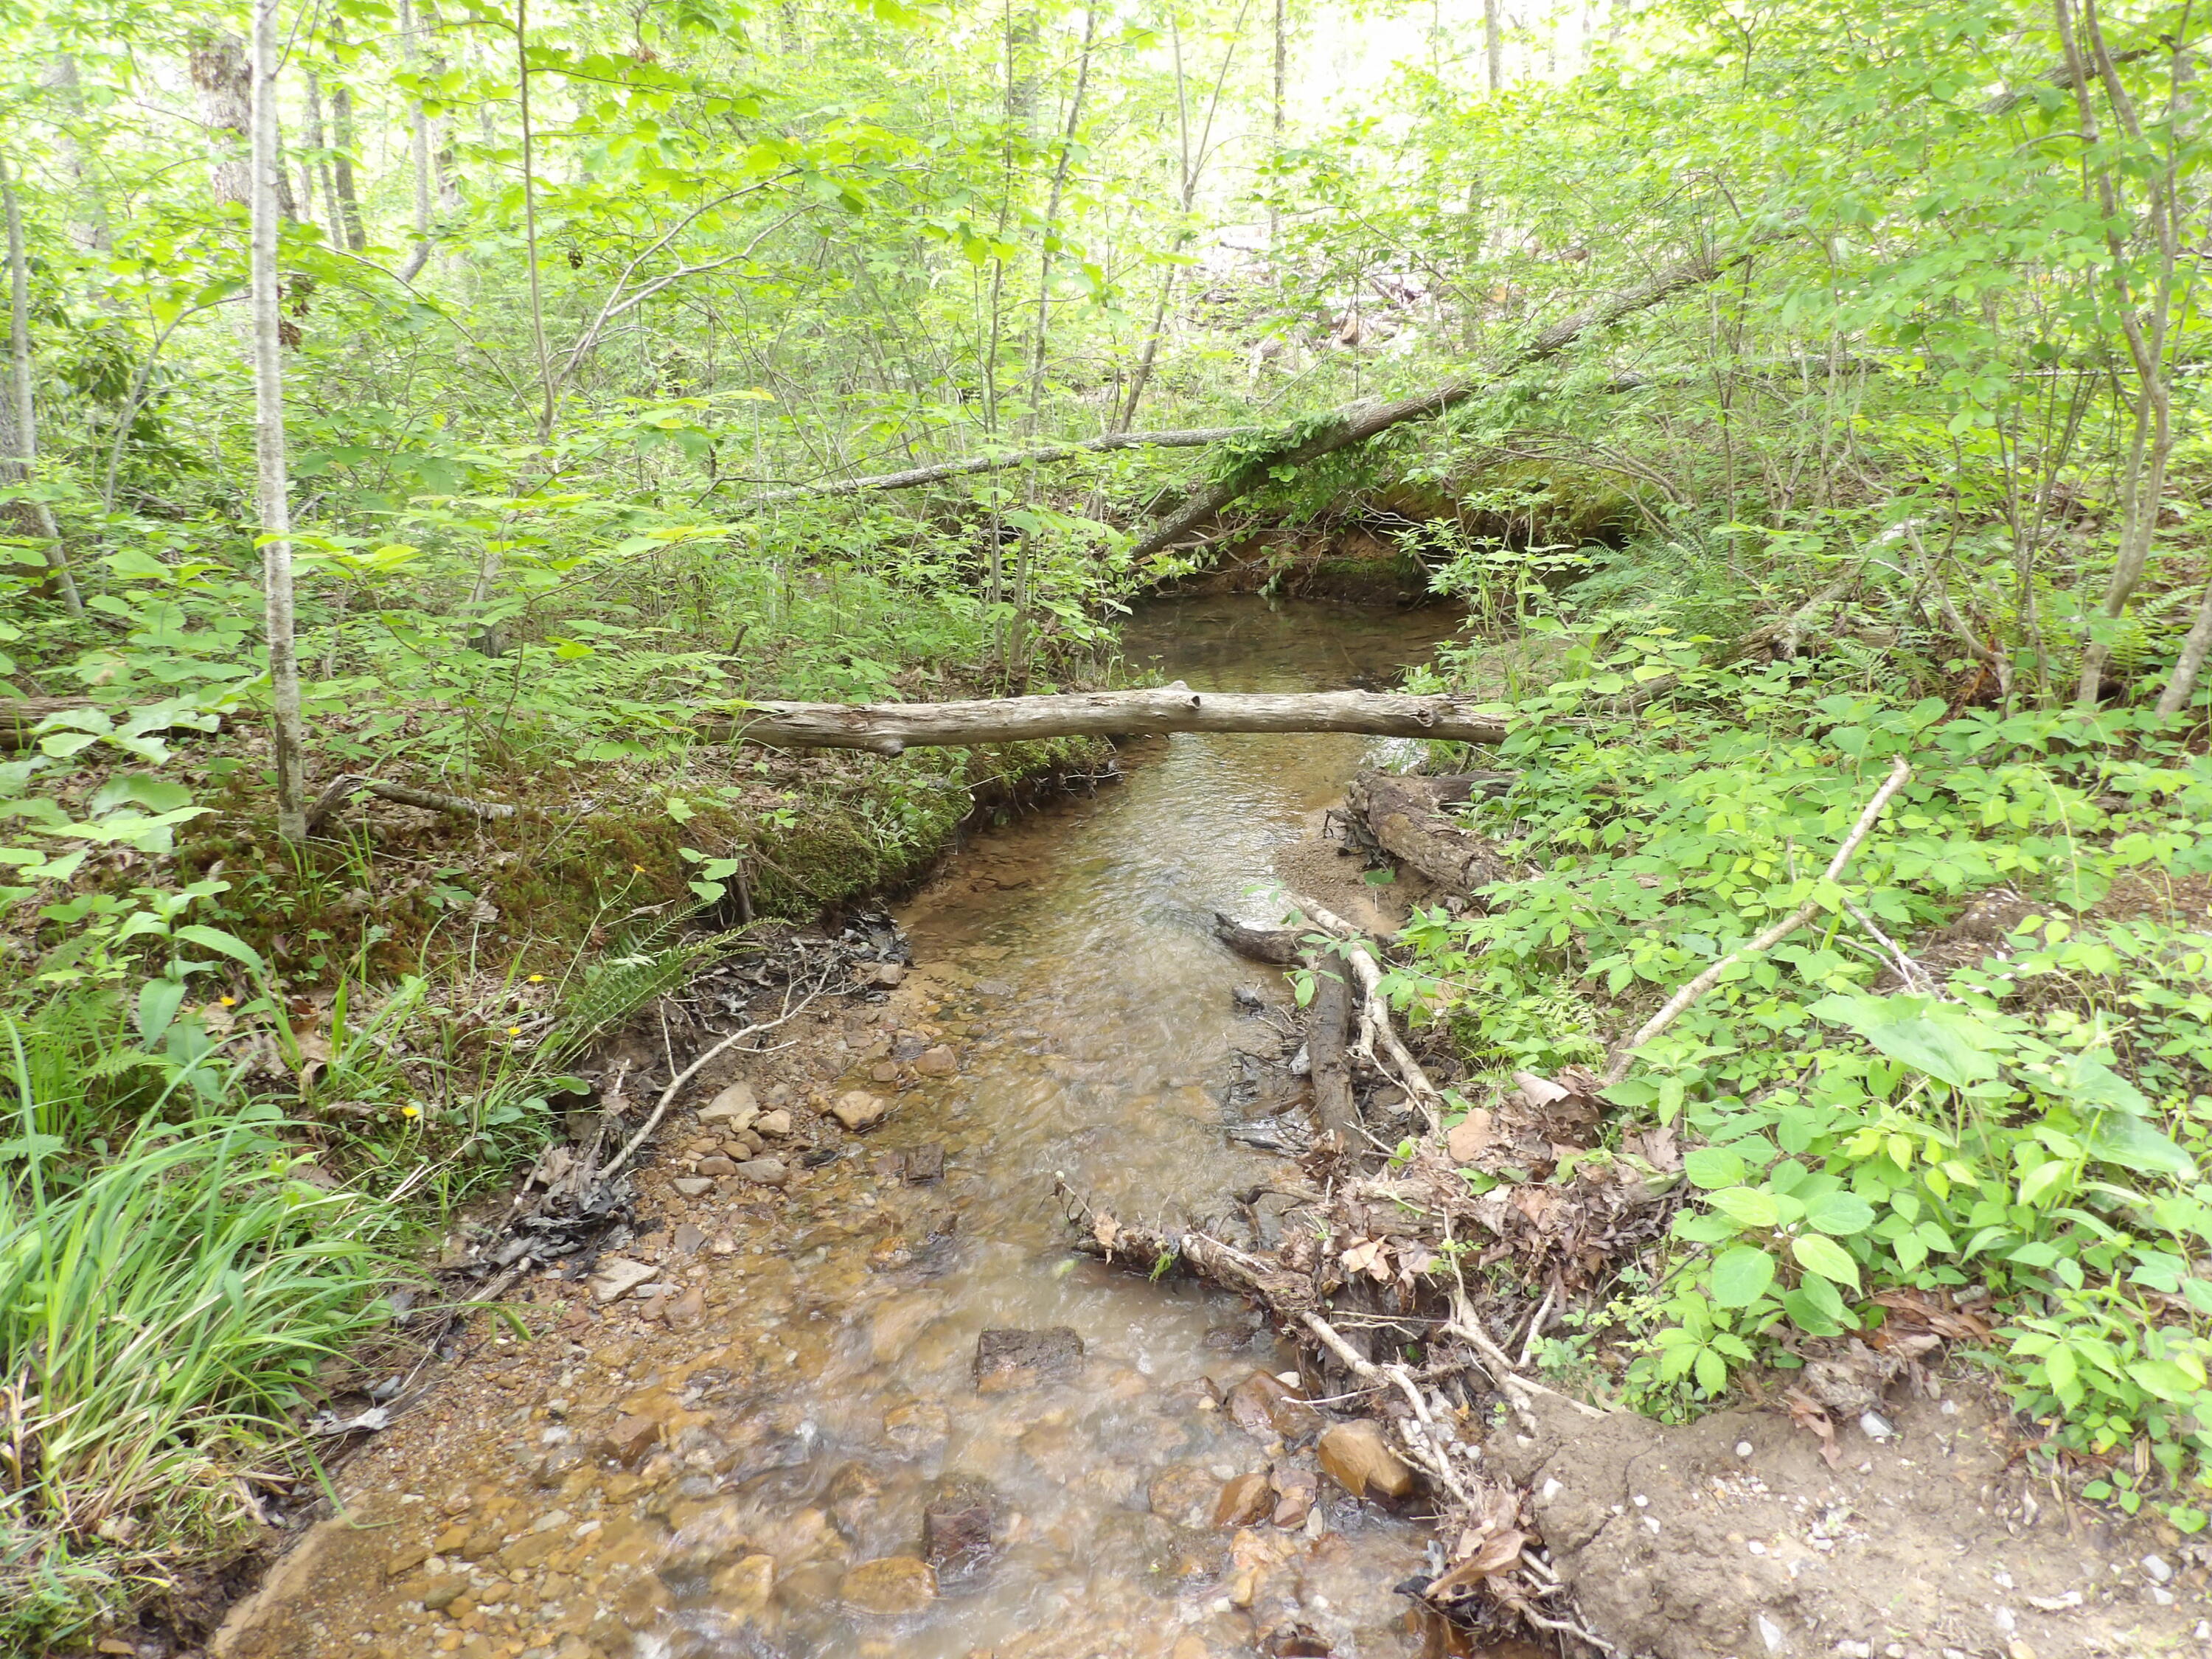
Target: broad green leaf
x,y
1742,1275
1842,1213
1818,1254
1747,1207
1950,1044
1713,1166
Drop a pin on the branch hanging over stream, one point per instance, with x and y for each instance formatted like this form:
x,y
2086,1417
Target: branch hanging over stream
x,y
1353,424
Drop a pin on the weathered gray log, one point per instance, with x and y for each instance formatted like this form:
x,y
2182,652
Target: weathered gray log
x,y
1276,947
889,728
1402,813
1328,1032
999,461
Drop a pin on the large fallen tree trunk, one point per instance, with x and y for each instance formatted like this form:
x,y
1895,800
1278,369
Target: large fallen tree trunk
x,y
1355,423
889,728
1404,816
999,461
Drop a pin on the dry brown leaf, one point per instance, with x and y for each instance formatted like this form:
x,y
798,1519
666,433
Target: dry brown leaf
x,y
1808,1413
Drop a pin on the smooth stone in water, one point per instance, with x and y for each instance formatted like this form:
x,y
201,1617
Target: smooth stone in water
x,y
1009,1360
890,1585
1359,1459
857,1110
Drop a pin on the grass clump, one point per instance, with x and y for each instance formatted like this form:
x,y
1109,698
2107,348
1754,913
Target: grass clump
x,y
163,1311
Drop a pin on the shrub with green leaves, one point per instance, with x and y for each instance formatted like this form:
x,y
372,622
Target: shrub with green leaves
x,y
2036,1123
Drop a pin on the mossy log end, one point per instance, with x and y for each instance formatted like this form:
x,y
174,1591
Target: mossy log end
x,y
889,728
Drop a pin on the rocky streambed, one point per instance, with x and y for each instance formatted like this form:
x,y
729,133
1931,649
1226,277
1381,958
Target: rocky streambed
x,y
837,1384
843,1389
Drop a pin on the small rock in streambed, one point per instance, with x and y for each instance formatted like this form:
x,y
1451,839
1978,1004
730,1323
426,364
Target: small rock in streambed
x,y
892,1585
1357,1458
1007,1361
774,1125
733,1109
694,1186
1243,1500
717,1166
937,1062
1295,1490
1264,1405
957,1526
763,1171
925,1163
857,1109
617,1276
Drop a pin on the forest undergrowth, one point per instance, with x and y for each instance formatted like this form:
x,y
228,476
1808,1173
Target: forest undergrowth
x,y
476,406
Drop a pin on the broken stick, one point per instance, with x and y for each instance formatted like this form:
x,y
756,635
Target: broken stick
x,y
1679,1004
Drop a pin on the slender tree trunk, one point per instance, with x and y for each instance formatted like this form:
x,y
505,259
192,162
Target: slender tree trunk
x,y
88,207
2194,649
224,82
530,220
1282,79
1194,164
418,144
269,434
1494,45
2143,319
317,140
20,403
1051,217
356,238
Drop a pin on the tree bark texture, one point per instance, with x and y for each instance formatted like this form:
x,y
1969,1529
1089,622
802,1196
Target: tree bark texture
x,y
1404,816
23,446
889,728
269,470
1329,1033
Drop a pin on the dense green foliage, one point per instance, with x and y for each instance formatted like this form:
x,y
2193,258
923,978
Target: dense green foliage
x,y
582,313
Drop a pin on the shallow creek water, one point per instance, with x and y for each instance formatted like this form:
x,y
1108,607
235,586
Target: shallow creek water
x,y
821,1393
1075,951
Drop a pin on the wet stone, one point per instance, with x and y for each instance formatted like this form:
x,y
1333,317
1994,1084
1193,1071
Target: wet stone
x,y
632,1436
889,1586
925,1163
774,1125
1243,1500
939,1061
763,1171
1007,1361
717,1166
693,1186
1185,1494
919,1428
857,1109
1263,1405
1357,1458
1296,1490
957,1524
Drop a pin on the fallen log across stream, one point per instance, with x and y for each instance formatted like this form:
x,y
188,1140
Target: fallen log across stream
x,y
891,728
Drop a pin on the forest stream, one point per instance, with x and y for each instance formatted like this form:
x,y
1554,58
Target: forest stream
x,y
829,1395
